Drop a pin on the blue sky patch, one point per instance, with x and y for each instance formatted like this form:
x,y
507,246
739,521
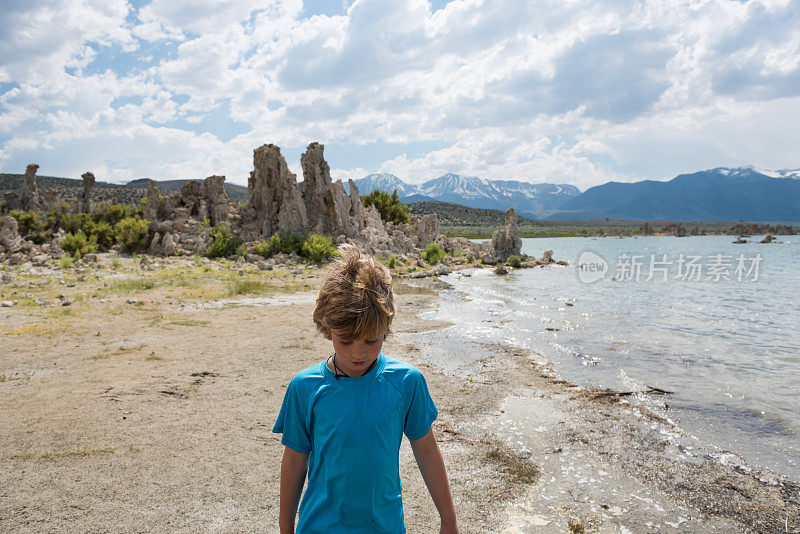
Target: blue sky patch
x,y
216,122
115,59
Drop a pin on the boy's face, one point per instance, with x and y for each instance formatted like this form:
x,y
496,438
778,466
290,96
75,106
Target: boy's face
x,y
355,357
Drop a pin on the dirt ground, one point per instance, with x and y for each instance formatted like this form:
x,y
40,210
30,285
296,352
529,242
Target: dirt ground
x,y
147,403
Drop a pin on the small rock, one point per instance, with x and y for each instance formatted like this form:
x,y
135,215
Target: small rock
x,y
500,270
42,301
70,285
133,301
25,296
263,265
7,278
6,304
67,302
297,271
241,272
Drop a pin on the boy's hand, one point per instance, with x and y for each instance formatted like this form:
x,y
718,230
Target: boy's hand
x,y
293,475
431,465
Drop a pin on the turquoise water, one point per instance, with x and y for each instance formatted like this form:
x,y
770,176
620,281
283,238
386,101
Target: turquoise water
x,y
729,349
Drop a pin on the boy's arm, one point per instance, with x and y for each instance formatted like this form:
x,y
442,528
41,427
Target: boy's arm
x,y
431,465
293,475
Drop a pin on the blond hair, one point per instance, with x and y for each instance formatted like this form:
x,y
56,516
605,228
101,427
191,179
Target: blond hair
x,y
355,298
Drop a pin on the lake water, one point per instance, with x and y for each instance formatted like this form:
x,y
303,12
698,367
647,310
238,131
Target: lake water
x,y
716,323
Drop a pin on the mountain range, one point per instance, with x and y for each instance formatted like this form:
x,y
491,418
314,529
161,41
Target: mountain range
x,y
721,194
527,199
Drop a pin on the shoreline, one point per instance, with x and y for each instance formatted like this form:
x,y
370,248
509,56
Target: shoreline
x,y
611,465
148,402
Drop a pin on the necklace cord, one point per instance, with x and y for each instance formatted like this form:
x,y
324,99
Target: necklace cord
x,y
338,372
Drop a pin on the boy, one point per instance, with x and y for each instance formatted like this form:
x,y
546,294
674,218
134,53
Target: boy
x,y
343,419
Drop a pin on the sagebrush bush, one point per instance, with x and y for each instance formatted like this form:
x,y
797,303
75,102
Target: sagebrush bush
x,y
132,233
389,206
514,261
433,254
31,225
318,248
104,234
80,222
78,244
285,242
262,248
113,213
222,244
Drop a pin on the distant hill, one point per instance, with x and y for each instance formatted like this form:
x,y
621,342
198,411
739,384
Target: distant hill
x,y
132,192
235,192
457,215
532,200
70,188
721,194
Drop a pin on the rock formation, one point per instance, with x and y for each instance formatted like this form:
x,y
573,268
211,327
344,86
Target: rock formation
x,y
318,205
202,200
327,200
9,234
153,206
216,198
84,201
505,241
29,198
276,202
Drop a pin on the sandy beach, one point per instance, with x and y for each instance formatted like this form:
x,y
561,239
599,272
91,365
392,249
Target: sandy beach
x,y
146,405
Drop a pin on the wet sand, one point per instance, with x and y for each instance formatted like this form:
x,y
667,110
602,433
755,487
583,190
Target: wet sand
x,y
149,409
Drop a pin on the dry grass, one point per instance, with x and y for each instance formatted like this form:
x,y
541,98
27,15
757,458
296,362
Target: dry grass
x,y
189,322
576,526
62,454
516,470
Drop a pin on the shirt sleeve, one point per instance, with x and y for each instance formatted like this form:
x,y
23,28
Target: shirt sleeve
x,y
422,412
293,421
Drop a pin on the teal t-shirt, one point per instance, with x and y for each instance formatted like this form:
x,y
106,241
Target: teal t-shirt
x,y
352,429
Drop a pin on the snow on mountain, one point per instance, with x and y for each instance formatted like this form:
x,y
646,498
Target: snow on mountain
x,y
476,192
749,170
384,182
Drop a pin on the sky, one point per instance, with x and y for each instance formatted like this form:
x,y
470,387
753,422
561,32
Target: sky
x,y
562,91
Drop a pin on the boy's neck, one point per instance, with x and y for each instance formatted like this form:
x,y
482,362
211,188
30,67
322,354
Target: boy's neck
x,y
333,368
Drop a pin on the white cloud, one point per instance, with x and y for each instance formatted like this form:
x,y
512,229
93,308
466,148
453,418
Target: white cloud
x,y
579,92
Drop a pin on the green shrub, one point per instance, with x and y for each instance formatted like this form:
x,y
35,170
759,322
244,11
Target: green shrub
x,y
389,206
104,235
514,261
318,248
55,219
65,262
241,251
433,254
78,244
31,225
392,261
131,233
80,222
222,245
285,242
112,213
262,248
